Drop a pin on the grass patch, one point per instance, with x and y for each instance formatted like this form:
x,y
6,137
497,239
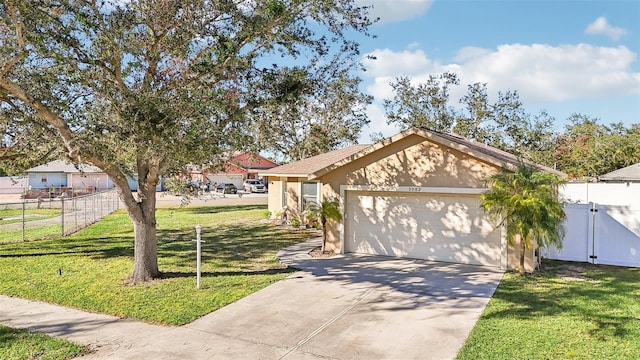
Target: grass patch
x,y
567,311
88,270
11,236
18,344
10,216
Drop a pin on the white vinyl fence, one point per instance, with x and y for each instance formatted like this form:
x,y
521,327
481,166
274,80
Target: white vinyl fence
x,y
600,234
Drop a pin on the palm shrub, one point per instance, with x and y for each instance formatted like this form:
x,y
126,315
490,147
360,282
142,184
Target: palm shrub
x,y
526,203
328,210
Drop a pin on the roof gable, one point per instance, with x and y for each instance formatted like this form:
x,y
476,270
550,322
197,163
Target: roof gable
x,y
322,164
478,150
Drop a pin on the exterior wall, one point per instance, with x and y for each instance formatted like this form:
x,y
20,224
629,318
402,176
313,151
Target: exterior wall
x,y
88,181
292,193
275,195
412,161
52,179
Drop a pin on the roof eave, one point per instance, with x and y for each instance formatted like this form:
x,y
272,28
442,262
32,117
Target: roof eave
x,y
283,175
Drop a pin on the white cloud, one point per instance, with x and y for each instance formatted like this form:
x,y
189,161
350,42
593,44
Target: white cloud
x,y
542,74
539,72
602,27
396,10
378,124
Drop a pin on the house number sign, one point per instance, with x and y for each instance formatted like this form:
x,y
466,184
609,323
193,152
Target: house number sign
x,y
415,189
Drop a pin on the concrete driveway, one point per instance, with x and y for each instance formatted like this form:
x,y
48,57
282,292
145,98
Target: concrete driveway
x,y
360,307
345,307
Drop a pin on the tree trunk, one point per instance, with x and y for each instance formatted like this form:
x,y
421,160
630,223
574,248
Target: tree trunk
x,y
523,249
145,251
142,211
324,234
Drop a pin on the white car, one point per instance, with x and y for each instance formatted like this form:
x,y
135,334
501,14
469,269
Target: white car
x,y
254,186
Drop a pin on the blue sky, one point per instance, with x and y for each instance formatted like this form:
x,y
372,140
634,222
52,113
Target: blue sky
x,y
562,56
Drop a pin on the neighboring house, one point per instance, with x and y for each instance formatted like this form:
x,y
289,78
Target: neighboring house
x,y
629,174
414,195
63,174
240,166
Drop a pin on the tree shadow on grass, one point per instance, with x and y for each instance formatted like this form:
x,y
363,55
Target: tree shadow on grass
x,y
237,242
217,209
596,298
103,247
188,274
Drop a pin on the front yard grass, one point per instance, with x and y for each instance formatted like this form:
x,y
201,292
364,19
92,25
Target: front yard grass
x,y
566,311
16,344
89,269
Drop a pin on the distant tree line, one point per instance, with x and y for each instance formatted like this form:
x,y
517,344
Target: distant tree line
x,y
584,147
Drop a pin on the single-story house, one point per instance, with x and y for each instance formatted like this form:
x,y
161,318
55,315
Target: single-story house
x,y
239,167
64,174
83,177
629,174
414,195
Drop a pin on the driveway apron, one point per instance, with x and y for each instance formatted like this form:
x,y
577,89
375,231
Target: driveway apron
x,y
343,307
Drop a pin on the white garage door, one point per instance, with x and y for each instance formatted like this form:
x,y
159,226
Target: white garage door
x,y
440,227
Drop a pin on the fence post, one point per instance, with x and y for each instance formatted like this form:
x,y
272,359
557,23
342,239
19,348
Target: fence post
x,y
198,253
62,214
23,206
75,213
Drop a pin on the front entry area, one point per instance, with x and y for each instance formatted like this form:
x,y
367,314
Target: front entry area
x,y
431,226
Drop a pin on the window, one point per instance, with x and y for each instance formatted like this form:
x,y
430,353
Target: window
x,y
309,194
43,178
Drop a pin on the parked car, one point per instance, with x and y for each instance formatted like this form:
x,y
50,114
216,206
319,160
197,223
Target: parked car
x,y
226,188
253,185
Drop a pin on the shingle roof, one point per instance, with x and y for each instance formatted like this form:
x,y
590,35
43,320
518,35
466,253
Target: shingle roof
x,y
63,166
629,173
319,165
312,164
500,155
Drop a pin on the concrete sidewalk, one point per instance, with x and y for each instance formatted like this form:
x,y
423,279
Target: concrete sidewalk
x,y
345,307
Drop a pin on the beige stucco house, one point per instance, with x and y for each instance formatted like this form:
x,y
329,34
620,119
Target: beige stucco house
x,y
414,195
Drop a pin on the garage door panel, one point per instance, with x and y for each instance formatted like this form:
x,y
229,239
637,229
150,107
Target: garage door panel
x,y
425,226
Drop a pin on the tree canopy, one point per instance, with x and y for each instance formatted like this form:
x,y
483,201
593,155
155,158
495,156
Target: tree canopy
x,y
321,109
585,147
145,87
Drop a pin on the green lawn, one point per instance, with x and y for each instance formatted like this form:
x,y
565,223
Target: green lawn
x,y
10,216
18,344
89,269
561,313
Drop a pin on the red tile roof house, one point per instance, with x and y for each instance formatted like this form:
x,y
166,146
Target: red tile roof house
x,y
241,166
414,195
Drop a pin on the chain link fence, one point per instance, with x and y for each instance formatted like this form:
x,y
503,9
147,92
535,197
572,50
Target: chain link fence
x,y
34,219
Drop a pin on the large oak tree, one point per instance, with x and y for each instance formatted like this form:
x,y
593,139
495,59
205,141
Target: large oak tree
x,y
146,86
